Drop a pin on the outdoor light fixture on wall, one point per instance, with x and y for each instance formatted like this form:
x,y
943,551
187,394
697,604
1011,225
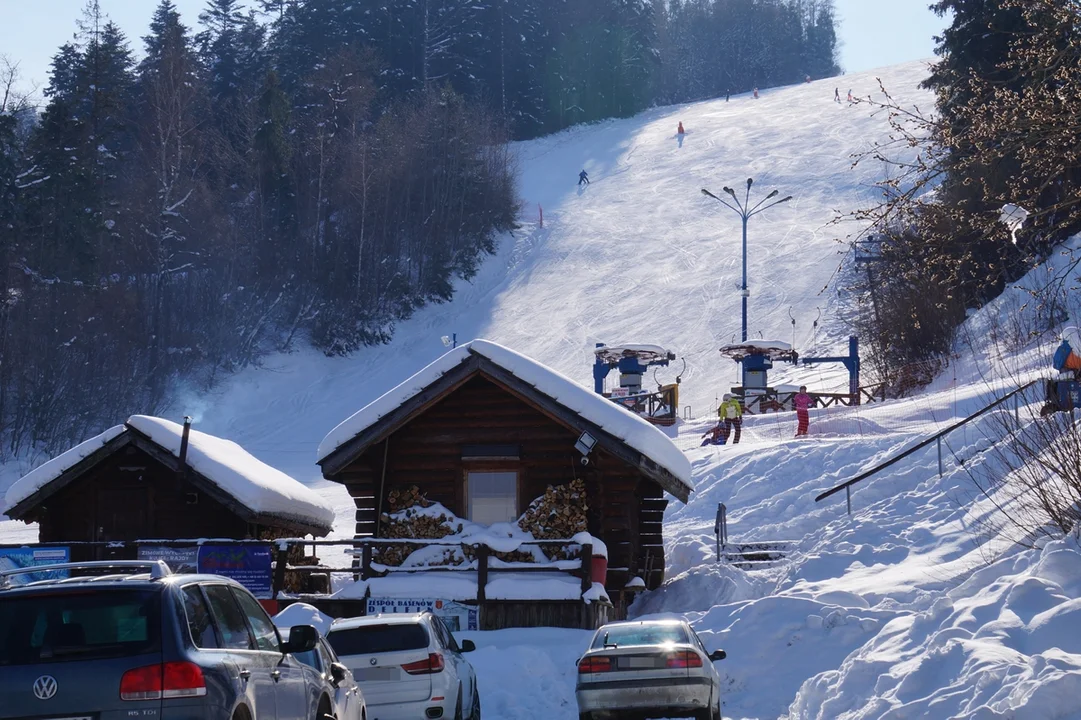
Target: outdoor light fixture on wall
x,y
585,446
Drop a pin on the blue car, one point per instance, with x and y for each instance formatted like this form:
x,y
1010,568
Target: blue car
x,y
153,645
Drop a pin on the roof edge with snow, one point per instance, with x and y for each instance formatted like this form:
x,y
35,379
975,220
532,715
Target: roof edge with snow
x,y
273,499
619,431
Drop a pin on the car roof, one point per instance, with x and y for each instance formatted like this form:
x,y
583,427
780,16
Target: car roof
x,y
379,619
639,623
141,581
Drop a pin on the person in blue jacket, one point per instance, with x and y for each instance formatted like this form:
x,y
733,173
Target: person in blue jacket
x,y
583,178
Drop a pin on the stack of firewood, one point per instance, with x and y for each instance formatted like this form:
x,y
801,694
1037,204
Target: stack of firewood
x,y
559,513
402,499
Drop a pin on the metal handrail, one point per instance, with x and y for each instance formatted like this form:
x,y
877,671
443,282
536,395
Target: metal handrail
x,y
918,446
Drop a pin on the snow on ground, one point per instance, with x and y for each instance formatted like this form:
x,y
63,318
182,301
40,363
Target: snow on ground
x,y
908,608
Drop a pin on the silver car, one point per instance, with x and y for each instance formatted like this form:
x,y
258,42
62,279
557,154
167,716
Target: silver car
x,y
648,669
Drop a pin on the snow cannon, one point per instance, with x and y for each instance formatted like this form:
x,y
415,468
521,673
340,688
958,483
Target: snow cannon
x,y
633,361
1063,392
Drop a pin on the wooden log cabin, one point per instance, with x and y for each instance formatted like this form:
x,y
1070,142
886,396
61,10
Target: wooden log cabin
x,y
154,479
485,431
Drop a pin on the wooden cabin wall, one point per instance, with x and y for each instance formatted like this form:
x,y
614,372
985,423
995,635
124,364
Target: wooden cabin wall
x,y
428,451
625,508
131,496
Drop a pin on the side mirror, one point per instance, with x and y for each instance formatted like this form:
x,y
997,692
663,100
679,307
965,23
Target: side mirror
x,y
717,655
468,646
302,638
337,672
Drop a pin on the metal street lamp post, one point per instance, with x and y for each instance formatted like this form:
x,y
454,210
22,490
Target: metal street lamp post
x,y
746,212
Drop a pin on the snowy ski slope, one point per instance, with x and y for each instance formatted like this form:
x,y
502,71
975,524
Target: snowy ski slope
x,y
906,610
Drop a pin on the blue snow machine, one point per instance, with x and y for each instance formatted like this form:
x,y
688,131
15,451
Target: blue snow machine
x,y
1063,393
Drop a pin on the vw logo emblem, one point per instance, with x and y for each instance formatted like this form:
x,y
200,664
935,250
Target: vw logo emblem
x,y
373,661
45,687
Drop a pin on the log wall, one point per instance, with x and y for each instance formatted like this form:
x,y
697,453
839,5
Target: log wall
x,y
130,496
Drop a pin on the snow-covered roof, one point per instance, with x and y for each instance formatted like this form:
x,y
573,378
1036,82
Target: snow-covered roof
x,y
257,486
611,417
646,353
260,488
772,348
48,471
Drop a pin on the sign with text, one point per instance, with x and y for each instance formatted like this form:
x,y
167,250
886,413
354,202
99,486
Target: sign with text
x,y
19,558
179,559
249,565
456,615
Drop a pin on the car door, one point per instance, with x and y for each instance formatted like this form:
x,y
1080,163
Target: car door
x,y
255,668
291,687
714,673
462,669
346,693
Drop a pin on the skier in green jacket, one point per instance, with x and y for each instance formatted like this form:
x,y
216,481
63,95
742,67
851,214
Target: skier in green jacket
x,y
731,417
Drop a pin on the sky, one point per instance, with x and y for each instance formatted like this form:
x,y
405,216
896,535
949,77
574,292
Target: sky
x,y
873,33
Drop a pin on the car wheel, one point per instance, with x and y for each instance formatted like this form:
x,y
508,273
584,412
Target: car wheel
x,y
458,710
474,714
325,712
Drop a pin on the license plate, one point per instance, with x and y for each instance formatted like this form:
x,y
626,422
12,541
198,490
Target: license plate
x,y
639,662
379,674
77,717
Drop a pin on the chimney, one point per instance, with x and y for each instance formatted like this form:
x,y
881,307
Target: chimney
x,y
184,446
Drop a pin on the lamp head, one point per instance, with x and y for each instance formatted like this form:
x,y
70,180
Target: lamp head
x,y
772,194
784,200
730,191
750,181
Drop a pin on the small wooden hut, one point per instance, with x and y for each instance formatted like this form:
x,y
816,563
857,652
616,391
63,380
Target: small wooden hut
x,y
492,438
154,479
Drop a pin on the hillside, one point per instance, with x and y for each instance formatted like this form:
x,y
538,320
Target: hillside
x,y
909,608
639,255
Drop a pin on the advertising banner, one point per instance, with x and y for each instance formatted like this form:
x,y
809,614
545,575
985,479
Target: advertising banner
x,y
249,565
18,558
179,559
456,615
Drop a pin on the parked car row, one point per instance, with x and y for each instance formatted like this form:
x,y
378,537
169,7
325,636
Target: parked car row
x,y
184,646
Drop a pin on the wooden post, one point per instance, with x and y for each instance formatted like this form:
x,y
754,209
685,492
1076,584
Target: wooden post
x,y
482,572
282,559
366,561
587,567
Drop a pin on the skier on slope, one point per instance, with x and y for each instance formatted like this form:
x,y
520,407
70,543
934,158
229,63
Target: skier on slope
x,y
837,95
756,93
679,130
583,178
731,416
850,99
803,403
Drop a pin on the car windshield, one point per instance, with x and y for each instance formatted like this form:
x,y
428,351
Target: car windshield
x,y
644,634
80,625
372,639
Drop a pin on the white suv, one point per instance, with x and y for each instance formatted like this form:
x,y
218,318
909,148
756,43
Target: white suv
x,y
408,666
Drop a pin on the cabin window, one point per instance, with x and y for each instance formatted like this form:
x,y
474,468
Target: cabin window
x,y
493,497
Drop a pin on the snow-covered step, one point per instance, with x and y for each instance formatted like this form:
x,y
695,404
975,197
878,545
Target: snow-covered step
x,y
756,555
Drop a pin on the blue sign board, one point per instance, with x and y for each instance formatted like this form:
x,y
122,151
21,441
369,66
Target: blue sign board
x,y
18,558
249,565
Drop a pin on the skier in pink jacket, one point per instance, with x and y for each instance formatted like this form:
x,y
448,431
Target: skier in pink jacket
x,y
803,403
